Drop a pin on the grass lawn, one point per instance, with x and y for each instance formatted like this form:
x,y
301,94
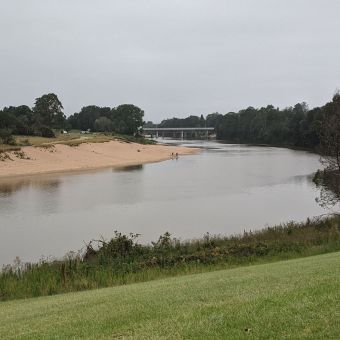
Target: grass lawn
x,y
293,299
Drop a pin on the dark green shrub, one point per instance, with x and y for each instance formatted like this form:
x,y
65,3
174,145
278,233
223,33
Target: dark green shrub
x,y
45,131
6,137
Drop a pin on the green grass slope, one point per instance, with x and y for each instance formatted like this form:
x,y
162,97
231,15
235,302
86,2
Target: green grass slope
x,y
296,299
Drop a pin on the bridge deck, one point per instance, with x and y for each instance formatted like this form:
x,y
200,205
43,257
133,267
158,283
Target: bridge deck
x,y
179,129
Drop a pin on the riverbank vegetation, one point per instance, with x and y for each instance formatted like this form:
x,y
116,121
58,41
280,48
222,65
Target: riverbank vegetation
x,y
328,179
46,119
329,184
295,126
295,299
40,120
123,260
124,119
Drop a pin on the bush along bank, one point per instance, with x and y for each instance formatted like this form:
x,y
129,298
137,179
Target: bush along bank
x,y
123,260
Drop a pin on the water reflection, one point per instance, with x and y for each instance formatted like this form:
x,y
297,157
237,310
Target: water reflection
x,y
48,182
130,168
329,185
302,179
33,195
9,186
222,190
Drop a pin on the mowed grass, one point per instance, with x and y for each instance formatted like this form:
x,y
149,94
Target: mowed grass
x,y
295,299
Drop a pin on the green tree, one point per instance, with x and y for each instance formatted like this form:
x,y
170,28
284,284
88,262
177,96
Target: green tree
x,y
7,120
103,124
6,137
23,118
330,134
149,124
213,119
202,121
127,119
48,111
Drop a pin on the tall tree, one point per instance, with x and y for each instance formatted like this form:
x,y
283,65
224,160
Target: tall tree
x,y
213,119
330,134
86,118
48,110
103,124
127,119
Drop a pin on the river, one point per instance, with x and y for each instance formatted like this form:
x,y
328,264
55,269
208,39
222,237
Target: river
x,y
225,189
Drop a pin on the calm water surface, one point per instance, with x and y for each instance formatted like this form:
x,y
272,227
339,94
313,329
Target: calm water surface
x,y
223,190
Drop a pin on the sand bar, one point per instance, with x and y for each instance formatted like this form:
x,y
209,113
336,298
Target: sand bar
x,y
86,156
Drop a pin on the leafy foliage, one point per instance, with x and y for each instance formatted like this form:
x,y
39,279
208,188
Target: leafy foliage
x,y
6,137
329,184
330,135
124,119
45,116
293,126
191,121
122,259
48,111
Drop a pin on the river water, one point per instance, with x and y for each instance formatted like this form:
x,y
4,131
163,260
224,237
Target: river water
x,y
225,189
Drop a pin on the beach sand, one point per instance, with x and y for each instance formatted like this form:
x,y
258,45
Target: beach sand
x,y
86,156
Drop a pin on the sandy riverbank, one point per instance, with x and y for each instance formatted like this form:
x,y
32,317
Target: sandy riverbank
x,y
86,156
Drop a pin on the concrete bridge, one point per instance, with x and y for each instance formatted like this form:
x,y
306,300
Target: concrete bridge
x,y
181,132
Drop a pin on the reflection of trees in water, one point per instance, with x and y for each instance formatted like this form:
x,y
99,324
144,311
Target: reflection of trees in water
x,y
129,168
10,186
301,179
329,185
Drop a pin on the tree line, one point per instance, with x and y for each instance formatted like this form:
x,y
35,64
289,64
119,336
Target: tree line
x,y
123,119
296,126
47,115
292,126
40,120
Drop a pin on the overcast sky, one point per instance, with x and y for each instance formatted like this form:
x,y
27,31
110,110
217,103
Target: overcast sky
x,y
170,57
